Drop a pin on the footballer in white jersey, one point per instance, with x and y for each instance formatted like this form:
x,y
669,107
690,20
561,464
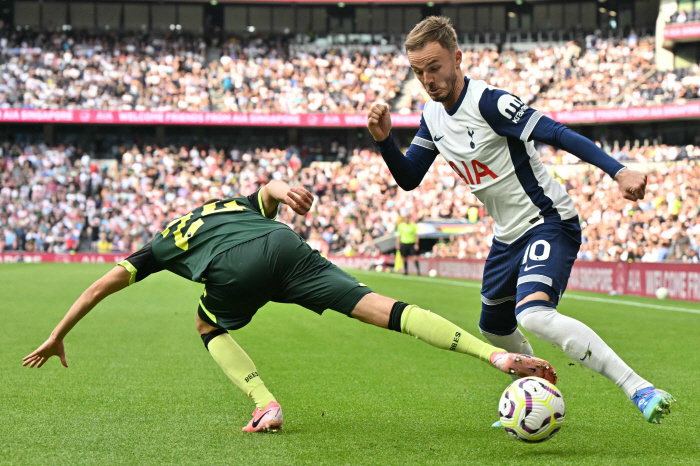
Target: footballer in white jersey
x,y
486,135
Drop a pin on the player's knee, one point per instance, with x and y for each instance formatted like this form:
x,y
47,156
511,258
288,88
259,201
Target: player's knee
x,y
536,296
204,328
207,337
534,315
374,309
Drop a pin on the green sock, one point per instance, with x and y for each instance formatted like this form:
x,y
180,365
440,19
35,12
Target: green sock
x,y
441,333
239,368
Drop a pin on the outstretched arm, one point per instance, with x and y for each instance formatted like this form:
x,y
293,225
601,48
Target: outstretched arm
x,y
632,183
115,280
509,116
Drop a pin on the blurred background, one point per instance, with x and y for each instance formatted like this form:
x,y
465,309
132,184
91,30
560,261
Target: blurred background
x,y
116,117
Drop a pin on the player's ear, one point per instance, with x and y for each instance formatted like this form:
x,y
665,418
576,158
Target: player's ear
x,y
458,58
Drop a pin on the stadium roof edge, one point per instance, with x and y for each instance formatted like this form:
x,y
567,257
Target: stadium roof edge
x,y
343,1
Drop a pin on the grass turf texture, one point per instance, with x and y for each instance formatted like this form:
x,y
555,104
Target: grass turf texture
x,y
141,388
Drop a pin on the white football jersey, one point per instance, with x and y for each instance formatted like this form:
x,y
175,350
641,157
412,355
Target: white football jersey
x,y
484,138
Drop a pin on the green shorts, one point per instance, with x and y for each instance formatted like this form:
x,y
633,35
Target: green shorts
x,y
277,267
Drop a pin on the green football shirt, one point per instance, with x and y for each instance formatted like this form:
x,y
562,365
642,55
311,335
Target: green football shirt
x,y
189,243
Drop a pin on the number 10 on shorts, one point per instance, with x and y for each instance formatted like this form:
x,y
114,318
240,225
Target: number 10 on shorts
x,y
537,251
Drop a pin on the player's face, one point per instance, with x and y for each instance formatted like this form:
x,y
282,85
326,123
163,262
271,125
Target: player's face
x,y
437,69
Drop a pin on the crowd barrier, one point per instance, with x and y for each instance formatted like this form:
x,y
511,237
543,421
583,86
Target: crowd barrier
x,y
322,120
327,120
79,257
635,279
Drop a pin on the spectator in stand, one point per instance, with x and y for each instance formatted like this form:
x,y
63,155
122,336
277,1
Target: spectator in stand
x,y
170,73
73,70
606,72
59,199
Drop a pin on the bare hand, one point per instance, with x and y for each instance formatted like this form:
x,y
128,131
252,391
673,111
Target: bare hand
x,y
300,200
379,121
51,347
632,183
417,246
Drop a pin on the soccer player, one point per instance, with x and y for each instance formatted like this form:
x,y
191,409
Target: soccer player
x,y
407,241
486,135
246,259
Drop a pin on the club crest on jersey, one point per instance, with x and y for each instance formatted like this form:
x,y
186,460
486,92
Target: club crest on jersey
x,y
511,107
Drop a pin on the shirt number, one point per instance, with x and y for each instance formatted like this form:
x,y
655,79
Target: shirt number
x,y
182,240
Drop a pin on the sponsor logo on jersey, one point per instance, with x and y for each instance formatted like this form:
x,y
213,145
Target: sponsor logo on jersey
x,y
478,169
511,107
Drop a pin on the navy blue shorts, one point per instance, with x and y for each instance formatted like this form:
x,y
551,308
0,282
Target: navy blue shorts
x,y
540,260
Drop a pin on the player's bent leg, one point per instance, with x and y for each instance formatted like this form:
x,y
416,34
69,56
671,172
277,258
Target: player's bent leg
x,y
582,344
441,333
204,328
241,370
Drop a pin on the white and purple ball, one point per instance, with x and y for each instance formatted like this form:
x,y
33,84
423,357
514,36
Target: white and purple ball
x,y
662,293
532,409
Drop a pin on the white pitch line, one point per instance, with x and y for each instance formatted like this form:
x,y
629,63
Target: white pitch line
x,y
568,294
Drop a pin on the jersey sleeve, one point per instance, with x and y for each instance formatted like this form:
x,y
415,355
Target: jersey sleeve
x,y
410,169
256,201
555,134
423,141
507,115
141,264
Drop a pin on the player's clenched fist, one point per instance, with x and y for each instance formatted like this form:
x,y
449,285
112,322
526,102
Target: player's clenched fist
x,y
633,184
300,200
379,121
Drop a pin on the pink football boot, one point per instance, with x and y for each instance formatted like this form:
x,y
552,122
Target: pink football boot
x,y
266,420
523,365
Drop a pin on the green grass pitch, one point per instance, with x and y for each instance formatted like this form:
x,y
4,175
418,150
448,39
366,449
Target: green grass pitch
x,y
141,388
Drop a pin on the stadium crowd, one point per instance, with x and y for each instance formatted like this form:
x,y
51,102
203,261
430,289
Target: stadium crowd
x,y
77,71
173,73
597,72
59,199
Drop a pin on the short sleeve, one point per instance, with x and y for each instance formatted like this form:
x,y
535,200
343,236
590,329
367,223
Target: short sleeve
x,y
141,264
507,115
256,201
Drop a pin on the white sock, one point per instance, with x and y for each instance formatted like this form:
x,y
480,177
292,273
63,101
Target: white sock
x,y
513,343
583,345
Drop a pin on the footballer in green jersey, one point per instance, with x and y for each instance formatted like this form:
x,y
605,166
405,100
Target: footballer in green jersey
x,y
245,259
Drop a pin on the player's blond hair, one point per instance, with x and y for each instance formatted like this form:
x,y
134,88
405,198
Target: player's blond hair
x,y
432,29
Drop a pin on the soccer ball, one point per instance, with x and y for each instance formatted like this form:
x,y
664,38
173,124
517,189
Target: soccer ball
x,y
532,410
432,273
662,293
378,268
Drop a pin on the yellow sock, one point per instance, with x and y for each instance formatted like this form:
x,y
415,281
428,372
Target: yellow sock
x,y
239,368
441,333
